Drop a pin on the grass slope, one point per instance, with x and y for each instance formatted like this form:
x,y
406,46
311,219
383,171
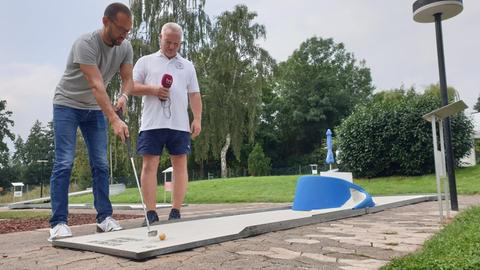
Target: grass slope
x,y
457,246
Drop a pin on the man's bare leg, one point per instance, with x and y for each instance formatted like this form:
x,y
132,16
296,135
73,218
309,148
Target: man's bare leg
x,y
179,164
149,181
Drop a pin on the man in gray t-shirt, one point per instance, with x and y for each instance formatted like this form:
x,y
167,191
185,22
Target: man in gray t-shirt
x,y
81,101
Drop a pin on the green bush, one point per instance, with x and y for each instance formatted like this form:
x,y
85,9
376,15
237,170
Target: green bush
x,y
389,136
258,163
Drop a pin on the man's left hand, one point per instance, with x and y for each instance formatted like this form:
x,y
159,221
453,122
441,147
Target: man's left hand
x,y
195,128
121,104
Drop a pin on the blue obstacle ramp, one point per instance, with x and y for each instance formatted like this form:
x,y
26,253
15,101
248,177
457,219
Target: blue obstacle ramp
x,y
322,192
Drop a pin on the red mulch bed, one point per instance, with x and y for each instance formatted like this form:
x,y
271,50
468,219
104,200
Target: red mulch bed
x,y
20,225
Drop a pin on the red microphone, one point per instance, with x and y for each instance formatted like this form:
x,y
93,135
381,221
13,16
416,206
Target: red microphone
x,y
167,80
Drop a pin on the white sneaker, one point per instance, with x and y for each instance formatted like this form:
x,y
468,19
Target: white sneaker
x,y
108,225
61,230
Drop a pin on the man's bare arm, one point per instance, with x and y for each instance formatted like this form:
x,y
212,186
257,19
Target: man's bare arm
x,y
95,81
196,106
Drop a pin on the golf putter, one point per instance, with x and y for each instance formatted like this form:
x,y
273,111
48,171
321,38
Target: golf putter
x,y
130,155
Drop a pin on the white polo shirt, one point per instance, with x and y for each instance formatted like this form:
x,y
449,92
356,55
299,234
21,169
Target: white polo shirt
x,y
149,70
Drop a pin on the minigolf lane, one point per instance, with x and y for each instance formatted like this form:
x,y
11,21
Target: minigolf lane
x,y
135,244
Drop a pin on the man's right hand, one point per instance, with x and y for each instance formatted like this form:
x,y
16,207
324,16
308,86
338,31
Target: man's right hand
x,y
163,93
120,129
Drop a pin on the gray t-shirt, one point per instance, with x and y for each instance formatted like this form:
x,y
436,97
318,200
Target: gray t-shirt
x,y
73,89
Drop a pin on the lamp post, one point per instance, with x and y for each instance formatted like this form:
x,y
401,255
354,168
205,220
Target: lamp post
x,y
43,161
428,11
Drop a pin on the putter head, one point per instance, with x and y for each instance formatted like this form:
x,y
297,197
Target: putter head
x,y
152,233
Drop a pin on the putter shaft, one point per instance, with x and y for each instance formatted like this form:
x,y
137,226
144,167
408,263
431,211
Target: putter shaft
x,y
130,155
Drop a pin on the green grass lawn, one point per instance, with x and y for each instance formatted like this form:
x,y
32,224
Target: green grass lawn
x,y
24,214
282,188
468,183
231,190
457,246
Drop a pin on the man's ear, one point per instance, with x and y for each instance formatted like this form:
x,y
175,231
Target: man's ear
x,y
105,21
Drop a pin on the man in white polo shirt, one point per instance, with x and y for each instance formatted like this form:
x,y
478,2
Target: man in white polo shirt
x,y
165,121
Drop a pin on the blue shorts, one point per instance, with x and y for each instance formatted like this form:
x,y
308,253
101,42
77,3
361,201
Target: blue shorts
x,y
152,142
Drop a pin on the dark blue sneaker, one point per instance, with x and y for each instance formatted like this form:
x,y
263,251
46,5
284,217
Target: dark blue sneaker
x,y
152,218
174,214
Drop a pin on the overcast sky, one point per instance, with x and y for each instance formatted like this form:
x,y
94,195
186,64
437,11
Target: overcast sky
x,y
38,35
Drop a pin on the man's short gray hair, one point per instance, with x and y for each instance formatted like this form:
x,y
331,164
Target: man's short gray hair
x,y
174,27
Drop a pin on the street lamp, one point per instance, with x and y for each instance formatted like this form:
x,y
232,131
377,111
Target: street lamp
x,y
43,161
428,11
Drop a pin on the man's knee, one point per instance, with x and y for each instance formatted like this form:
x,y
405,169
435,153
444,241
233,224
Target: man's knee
x,y
100,164
98,158
179,162
63,164
150,164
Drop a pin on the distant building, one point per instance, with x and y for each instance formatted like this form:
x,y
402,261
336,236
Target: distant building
x,y
471,159
476,123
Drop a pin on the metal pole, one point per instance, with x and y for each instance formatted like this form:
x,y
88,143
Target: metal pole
x,y
437,172
447,129
41,185
42,161
445,184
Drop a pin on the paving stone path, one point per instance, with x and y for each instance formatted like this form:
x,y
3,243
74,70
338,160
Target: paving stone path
x,y
365,242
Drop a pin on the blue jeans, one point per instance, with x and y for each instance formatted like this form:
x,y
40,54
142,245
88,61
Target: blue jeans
x,y
93,125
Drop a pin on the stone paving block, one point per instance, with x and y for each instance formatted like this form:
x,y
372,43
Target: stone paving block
x,y
362,264
320,257
275,252
339,250
302,241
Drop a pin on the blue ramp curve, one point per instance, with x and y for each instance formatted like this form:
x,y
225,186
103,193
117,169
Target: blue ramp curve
x,y
322,192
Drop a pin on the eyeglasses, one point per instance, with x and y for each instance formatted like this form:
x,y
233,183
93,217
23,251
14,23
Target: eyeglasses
x,y
170,43
122,30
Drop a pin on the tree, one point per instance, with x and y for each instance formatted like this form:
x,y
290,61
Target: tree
x,y
434,90
235,68
8,174
267,132
258,163
19,157
395,95
5,124
476,107
39,146
389,137
18,162
318,85
149,17
81,173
